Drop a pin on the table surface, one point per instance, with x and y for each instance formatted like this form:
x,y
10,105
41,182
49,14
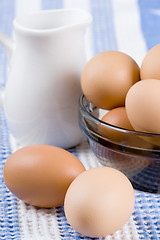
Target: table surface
x,y
129,26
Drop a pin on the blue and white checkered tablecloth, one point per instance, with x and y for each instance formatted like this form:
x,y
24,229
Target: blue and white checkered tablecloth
x,y
131,26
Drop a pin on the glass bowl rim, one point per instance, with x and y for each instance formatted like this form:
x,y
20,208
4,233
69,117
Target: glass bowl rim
x,y
89,115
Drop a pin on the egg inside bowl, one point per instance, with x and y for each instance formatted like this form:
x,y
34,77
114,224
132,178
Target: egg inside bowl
x,y
136,154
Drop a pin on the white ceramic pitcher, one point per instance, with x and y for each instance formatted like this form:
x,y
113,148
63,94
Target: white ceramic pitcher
x,y
43,86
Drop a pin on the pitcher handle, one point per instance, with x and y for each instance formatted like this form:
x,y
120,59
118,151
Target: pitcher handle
x,y
9,46
2,92
7,43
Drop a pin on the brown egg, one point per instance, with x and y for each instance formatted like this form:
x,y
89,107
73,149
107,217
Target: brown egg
x,y
142,105
150,68
41,174
99,202
118,117
107,77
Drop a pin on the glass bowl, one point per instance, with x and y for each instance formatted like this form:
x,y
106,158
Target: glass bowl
x,y
136,154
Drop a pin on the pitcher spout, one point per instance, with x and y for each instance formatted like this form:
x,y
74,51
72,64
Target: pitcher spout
x,y
8,44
